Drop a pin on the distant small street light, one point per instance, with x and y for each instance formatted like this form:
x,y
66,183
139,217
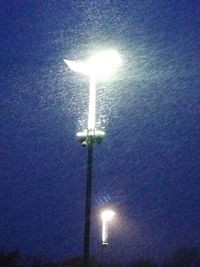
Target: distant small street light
x,y
106,216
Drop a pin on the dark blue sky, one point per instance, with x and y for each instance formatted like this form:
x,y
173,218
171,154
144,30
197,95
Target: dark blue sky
x,y
147,168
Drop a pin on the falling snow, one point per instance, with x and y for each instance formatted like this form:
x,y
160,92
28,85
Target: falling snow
x,y
147,168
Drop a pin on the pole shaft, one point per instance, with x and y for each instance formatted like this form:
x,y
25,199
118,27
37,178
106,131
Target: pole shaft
x,y
92,104
88,197
102,250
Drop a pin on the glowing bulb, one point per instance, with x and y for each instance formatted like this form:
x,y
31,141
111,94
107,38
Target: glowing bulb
x,y
107,215
104,62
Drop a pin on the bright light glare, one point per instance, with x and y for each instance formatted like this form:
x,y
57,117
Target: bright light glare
x,y
107,215
100,65
92,105
103,63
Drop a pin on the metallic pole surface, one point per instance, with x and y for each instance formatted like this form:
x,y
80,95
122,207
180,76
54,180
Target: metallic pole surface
x,y
102,254
86,258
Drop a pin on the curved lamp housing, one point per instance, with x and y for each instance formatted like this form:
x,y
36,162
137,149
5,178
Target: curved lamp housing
x,y
78,66
100,65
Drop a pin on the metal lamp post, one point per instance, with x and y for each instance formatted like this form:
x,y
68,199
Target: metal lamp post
x,y
98,66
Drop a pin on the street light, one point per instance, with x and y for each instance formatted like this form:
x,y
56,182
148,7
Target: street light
x,y
106,215
98,67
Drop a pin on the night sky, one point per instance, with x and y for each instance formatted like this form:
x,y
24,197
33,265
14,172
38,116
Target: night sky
x,y
147,168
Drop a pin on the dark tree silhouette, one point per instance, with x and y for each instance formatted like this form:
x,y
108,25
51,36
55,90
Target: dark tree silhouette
x,y
143,263
11,259
78,262
2,258
35,262
183,258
